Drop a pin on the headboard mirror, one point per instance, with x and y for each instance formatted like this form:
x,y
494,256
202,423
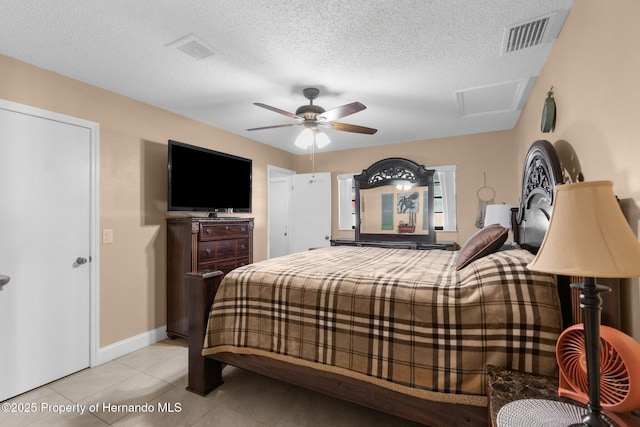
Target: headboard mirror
x,y
394,202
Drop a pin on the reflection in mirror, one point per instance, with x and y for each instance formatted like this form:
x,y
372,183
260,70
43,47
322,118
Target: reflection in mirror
x,y
346,202
394,210
444,198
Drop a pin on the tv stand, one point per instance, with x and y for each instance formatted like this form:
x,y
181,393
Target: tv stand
x,y
195,244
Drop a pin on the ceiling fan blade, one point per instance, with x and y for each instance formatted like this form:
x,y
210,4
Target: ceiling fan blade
x,y
340,112
276,126
352,128
277,110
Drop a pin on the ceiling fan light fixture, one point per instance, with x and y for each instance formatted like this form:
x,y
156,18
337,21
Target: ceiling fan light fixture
x,y
309,136
305,139
322,139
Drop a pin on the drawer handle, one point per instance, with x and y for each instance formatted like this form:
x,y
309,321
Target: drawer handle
x,y
207,251
242,264
208,231
243,247
226,227
243,229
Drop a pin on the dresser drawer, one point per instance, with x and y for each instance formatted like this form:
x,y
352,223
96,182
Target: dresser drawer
x,y
242,248
209,251
225,265
222,231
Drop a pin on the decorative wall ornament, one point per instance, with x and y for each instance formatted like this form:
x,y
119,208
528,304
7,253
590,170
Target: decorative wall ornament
x,y
548,122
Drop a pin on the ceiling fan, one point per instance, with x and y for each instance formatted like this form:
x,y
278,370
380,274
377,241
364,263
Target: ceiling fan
x,y
314,117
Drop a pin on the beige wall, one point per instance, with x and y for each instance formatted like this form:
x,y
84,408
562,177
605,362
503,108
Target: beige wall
x,y
133,162
474,155
594,68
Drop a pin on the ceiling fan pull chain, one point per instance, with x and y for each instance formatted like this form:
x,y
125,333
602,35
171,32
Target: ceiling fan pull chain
x,y
313,157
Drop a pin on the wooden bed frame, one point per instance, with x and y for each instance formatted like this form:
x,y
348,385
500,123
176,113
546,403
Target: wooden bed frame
x,y
541,174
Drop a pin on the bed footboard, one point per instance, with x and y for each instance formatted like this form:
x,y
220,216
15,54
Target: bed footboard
x,y
205,374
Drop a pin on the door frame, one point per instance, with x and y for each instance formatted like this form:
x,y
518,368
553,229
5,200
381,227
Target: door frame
x,y
94,223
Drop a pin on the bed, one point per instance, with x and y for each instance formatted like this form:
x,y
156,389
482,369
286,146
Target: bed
x,y
407,332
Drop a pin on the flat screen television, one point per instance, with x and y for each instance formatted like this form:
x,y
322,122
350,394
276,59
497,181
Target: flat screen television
x,y
204,180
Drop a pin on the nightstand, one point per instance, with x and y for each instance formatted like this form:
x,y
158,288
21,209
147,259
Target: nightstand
x,y
505,385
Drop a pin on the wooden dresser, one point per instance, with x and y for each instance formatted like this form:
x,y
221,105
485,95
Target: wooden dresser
x,y
201,244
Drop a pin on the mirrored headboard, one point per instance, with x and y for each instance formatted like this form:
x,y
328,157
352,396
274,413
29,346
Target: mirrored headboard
x,y
394,202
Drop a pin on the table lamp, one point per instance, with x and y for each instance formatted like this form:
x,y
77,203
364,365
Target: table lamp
x,y
498,214
589,236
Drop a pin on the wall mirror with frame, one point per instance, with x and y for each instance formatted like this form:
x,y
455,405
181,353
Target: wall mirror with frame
x,y
444,200
394,201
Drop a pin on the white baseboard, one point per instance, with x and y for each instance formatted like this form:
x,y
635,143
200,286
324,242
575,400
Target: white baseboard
x,y
120,348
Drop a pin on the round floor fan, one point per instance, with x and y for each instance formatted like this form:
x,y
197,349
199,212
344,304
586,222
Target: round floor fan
x,y
619,368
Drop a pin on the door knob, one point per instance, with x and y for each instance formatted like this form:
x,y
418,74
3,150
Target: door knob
x,y
81,260
4,280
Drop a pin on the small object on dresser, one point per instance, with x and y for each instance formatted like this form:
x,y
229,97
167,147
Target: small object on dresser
x,y
406,228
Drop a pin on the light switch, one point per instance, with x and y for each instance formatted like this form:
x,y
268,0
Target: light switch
x,y
107,235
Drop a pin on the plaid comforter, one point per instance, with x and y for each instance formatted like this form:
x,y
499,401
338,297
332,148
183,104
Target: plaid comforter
x,y
399,317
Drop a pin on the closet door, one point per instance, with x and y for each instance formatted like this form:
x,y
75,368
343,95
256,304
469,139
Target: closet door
x,y
310,212
279,195
45,249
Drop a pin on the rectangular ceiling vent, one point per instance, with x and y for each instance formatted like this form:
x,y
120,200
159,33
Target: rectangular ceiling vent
x,y
527,34
194,47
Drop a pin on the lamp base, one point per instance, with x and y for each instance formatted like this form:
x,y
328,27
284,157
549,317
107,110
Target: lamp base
x,y
591,421
591,304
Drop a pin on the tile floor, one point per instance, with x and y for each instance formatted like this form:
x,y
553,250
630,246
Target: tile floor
x,y
147,388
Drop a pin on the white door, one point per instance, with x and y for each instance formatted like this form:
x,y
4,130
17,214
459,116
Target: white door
x,y
310,223
45,249
279,189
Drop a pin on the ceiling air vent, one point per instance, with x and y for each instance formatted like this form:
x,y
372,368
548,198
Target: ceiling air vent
x,y
194,47
527,34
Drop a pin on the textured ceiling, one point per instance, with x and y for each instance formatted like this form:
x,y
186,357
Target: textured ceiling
x,y
424,68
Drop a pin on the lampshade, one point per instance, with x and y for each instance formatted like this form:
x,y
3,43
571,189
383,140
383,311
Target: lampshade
x,y
309,135
305,139
322,140
498,214
588,235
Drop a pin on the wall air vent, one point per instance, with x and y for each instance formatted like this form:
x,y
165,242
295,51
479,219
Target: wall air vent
x,y
527,34
194,47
